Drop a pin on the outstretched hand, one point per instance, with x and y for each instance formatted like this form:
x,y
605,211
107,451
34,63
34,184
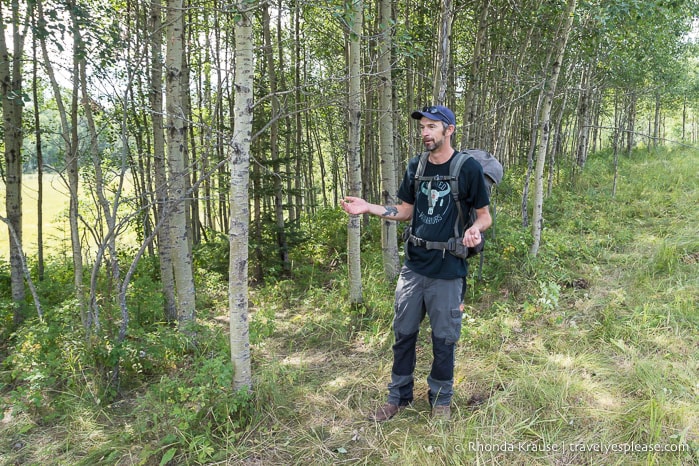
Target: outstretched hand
x,y
354,205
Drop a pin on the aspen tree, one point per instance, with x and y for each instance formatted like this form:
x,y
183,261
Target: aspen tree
x,y
239,164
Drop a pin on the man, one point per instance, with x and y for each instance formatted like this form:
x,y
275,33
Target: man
x,y
431,280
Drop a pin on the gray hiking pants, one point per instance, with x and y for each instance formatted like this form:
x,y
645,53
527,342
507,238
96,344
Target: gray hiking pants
x,y
417,295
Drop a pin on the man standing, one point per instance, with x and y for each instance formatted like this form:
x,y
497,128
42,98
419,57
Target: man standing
x,y
431,280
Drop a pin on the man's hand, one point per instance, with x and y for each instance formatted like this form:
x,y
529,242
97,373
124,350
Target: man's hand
x,y
354,205
472,237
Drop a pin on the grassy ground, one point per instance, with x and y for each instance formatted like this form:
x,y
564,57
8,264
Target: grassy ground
x,y
598,351
587,354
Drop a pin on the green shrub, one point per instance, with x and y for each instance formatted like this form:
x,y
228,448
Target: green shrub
x,y
192,412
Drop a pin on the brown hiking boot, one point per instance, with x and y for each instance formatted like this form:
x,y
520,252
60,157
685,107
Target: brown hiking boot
x,y
385,412
441,413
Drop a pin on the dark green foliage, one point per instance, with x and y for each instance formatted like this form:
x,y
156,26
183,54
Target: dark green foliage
x,y
213,254
325,238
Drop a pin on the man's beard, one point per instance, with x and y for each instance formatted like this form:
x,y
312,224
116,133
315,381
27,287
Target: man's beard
x,y
434,145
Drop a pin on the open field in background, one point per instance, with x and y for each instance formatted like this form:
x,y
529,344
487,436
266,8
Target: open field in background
x,y
56,227
55,210
585,355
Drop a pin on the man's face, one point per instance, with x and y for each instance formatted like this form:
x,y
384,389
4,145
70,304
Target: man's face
x,y
433,133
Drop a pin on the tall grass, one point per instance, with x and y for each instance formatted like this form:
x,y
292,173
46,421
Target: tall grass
x,y
586,354
55,211
55,224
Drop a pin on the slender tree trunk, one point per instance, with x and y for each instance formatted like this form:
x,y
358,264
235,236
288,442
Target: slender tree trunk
x,y
530,160
140,166
302,190
190,147
206,134
293,162
218,152
73,166
258,251
615,142
39,161
684,119
70,137
354,169
176,148
630,121
557,151
389,235
545,128
584,118
283,247
439,92
162,216
12,107
239,200
410,71
107,241
474,83
656,120
368,152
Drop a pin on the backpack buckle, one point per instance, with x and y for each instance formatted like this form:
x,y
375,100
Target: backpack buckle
x,y
417,241
456,247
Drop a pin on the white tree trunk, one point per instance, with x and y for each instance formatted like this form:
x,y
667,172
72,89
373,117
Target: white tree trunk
x,y
12,105
167,278
389,235
70,138
239,199
176,147
584,117
441,65
545,128
354,169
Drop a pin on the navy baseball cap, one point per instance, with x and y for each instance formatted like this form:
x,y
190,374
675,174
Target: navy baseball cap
x,y
436,112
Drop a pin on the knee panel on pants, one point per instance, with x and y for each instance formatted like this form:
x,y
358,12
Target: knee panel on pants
x,y
404,354
443,363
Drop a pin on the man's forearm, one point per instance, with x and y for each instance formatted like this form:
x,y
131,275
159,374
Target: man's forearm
x,y
390,212
483,219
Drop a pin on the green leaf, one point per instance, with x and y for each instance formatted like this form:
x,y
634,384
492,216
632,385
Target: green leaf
x,y
168,456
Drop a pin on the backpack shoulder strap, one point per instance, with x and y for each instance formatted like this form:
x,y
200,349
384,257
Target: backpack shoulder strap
x,y
420,171
454,170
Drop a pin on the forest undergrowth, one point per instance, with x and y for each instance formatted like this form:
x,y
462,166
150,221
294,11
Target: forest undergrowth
x,y
586,354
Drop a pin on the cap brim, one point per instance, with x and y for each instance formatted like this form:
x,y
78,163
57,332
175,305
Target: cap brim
x,y
416,115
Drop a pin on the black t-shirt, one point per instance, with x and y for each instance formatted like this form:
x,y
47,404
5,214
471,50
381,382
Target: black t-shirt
x,y
436,223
